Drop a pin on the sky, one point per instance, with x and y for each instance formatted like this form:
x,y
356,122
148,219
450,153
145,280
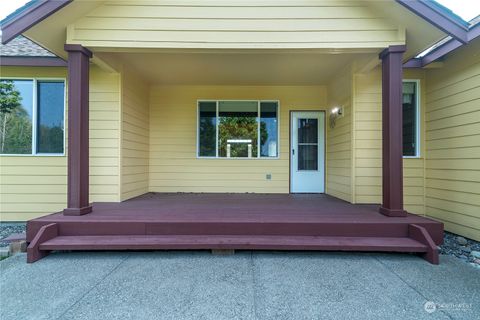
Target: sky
x,y
467,9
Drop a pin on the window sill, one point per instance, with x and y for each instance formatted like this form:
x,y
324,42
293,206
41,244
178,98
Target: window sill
x,y
34,155
249,159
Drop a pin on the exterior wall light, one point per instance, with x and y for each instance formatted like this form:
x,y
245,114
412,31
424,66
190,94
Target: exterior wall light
x,y
335,113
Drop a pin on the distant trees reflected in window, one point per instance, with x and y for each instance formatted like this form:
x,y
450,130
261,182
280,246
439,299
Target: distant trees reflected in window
x,y
32,116
238,129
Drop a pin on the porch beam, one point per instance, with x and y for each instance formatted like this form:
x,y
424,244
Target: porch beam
x,y
392,146
78,146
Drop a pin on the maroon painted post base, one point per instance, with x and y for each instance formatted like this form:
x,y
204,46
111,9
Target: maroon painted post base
x,y
77,211
392,212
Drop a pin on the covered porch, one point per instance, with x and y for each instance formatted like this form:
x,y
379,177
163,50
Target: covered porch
x,y
164,182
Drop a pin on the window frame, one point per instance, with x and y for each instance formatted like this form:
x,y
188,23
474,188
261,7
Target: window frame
x,y
417,119
34,152
258,157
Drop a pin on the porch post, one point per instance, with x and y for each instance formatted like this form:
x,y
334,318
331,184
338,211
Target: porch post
x,y
392,154
78,73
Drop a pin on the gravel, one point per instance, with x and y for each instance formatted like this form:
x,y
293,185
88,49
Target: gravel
x,y
467,250
9,228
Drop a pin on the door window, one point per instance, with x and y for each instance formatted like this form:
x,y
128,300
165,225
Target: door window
x,y
307,144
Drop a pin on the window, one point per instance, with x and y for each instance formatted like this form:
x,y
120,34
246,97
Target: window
x,y
32,116
410,119
238,129
307,144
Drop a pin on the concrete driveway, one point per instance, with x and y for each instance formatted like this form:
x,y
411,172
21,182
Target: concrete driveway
x,y
247,285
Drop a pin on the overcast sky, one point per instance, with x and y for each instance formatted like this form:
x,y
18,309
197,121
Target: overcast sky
x,y
467,9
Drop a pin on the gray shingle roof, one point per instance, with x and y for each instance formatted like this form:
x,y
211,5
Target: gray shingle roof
x,y
22,47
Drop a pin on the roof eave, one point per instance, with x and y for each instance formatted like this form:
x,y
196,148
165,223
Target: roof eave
x,y
445,21
442,50
32,15
15,61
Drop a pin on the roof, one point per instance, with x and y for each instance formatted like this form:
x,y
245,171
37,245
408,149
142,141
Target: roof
x,y
23,47
452,15
460,32
24,52
17,12
27,16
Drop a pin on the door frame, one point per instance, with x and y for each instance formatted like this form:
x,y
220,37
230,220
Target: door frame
x,y
290,147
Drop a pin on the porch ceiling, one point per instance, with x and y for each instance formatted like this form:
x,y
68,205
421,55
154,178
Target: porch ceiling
x,y
234,68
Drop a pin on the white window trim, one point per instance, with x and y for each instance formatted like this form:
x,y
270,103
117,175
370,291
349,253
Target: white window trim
x,y
258,125
35,117
417,120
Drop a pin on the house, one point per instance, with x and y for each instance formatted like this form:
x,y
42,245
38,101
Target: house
x,y
244,125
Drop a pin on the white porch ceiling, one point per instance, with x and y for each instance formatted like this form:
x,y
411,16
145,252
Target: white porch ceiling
x,y
219,68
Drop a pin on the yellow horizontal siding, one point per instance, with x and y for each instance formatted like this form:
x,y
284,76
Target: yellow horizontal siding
x,y
368,145
339,138
135,135
173,165
104,155
235,24
32,186
368,135
453,142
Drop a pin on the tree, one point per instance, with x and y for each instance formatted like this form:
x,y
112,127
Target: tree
x,y
238,127
16,127
9,97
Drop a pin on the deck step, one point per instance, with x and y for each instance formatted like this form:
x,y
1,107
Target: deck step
x,y
239,242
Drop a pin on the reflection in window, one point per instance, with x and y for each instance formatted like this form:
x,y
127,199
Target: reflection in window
x,y
50,126
16,113
308,157
237,129
243,129
268,129
410,119
28,125
207,129
308,144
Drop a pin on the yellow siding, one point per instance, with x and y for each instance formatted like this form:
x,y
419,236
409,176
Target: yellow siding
x,y
453,142
135,135
31,186
339,138
104,136
368,145
235,24
173,163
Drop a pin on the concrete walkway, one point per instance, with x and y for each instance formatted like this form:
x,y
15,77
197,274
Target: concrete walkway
x,y
247,285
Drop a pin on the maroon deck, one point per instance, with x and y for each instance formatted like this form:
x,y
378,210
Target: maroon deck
x,y
234,221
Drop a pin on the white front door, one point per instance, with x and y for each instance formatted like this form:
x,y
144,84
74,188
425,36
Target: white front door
x,y
307,171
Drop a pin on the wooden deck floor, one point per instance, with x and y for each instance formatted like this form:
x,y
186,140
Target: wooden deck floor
x,y
203,207
265,221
